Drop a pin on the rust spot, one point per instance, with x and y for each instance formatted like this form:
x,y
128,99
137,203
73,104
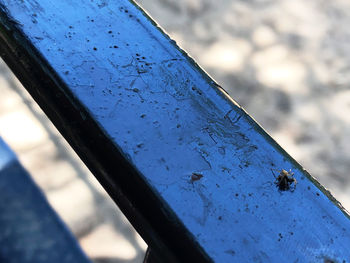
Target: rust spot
x,y
196,176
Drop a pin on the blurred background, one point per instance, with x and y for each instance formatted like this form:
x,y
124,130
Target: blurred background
x,y
287,62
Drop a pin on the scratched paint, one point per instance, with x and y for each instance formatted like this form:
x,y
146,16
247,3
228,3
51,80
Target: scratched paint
x,y
171,120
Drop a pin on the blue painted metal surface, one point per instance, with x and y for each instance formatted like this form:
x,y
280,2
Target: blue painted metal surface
x,y
173,123
30,231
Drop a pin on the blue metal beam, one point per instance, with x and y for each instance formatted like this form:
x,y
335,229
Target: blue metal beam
x,y
194,173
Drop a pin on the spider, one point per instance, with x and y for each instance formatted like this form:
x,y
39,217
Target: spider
x,y
285,180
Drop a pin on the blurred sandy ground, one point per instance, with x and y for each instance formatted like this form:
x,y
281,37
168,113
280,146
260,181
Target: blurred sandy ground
x,y
287,62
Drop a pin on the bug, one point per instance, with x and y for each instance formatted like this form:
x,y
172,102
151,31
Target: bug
x,y
285,180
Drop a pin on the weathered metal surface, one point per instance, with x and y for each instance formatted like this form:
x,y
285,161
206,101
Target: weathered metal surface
x,y
192,171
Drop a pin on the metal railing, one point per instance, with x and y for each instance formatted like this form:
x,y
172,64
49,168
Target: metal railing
x,y
198,178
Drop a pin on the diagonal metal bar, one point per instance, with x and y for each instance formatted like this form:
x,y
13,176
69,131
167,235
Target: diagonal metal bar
x,y
191,170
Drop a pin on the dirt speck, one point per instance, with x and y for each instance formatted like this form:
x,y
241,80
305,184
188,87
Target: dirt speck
x,y
327,260
140,145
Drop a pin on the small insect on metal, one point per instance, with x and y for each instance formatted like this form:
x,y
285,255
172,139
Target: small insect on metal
x,y
285,180
196,176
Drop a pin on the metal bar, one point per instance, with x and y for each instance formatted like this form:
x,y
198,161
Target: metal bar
x,y
192,171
